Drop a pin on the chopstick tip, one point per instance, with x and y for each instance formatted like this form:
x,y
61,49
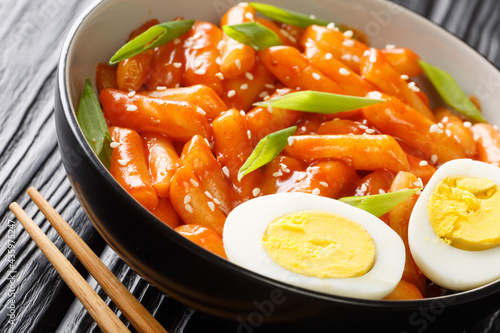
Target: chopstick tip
x,y
31,189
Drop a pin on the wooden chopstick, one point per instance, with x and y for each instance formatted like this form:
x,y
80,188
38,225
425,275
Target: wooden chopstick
x,y
102,314
134,311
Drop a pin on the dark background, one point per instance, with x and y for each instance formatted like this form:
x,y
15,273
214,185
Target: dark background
x,y
31,34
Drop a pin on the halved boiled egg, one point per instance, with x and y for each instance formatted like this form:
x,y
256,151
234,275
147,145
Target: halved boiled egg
x,y
454,229
316,243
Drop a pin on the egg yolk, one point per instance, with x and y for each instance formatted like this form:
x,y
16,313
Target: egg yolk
x,y
320,244
465,213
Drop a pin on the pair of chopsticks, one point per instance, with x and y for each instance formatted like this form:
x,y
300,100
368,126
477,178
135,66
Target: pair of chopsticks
x,y
107,320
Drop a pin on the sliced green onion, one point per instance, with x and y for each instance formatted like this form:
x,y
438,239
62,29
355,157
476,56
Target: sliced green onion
x,y
379,204
254,34
451,92
266,150
287,16
93,124
155,36
318,102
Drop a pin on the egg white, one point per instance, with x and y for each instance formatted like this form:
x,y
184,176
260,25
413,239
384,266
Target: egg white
x,y
246,225
444,264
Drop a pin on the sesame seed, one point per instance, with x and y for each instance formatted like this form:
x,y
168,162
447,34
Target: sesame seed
x,y
316,191
177,41
435,129
281,91
244,86
278,174
159,88
328,56
208,194
231,93
375,95
256,191
325,184
390,46
198,47
348,42
220,75
290,140
346,57
237,62
249,76
364,127
194,183
131,108
467,124
313,17
198,63
448,132
370,131
444,120
225,170
364,188
200,111
413,86
475,136
114,144
316,76
284,168
249,16
249,134
211,205
242,112
269,86
331,25
177,64
356,59
344,71
423,163
122,162
434,158
441,125
263,94
217,202
405,77
366,53
188,208
381,191
348,33
372,58
131,94
187,198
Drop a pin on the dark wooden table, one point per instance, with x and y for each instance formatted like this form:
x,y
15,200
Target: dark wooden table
x,y
33,297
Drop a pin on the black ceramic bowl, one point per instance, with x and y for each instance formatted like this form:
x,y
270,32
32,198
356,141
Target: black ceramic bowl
x,y
203,280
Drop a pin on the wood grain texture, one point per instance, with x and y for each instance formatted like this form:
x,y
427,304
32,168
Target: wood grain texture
x,y
32,33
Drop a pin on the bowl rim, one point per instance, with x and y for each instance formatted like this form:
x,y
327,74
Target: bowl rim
x,y
70,117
